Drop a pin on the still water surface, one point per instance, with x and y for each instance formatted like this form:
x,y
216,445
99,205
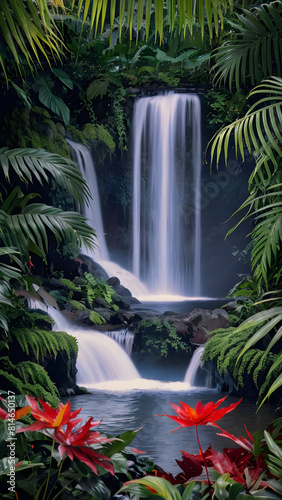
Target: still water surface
x,y
133,409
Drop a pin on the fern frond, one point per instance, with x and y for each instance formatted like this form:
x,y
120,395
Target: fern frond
x,y
96,318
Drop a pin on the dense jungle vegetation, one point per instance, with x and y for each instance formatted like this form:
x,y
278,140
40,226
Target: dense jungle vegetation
x,y
71,66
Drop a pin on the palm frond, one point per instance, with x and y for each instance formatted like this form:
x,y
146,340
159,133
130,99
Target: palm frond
x,y
29,163
32,225
29,31
187,12
7,271
259,130
255,49
267,237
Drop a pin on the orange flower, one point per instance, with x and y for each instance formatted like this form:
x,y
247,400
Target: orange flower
x,y
49,417
18,413
202,415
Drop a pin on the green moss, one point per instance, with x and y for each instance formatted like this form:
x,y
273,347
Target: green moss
x,y
92,132
22,128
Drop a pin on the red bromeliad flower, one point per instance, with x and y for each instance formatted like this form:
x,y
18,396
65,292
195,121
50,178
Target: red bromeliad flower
x,y
49,418
76,442
202,415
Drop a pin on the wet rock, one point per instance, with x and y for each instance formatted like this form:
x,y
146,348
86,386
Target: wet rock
x,y
198,323
100,302
121,302
113,281
88,265
125,318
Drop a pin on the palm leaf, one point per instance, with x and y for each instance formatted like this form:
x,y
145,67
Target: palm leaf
x,y
32,163
187,12
29,31
32,225
8,272
255,50
259,129
274,387
267,237
273,316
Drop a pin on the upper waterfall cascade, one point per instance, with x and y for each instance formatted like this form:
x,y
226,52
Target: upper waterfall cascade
x,y
166,193
94,215
166,219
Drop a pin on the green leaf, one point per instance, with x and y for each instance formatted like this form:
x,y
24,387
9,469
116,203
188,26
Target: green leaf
x,y
122,441
162,487
65,79
53,102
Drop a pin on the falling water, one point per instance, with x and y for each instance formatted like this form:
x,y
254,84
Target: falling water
x,y
103,359
124,338
100,358
94,215
194,365
166,209
93,211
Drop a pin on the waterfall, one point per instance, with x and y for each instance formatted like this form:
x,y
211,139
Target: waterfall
x,y
94,215
103,360
124,338
194,366
166,193
93,211
100,358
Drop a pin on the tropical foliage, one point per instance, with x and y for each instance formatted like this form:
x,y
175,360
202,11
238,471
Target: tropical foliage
x,y
56,452
30,32
255,53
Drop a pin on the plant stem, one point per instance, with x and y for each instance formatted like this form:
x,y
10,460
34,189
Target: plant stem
x,y
49,472
202,455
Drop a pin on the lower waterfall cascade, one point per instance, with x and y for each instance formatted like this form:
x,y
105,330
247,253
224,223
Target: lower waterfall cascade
x,y
103,363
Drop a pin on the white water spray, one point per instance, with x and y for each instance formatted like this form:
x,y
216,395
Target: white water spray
x,y
167,154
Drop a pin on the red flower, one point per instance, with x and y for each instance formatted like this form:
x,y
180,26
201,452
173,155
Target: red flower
x,y
247,444
75,443
49,417
202,415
